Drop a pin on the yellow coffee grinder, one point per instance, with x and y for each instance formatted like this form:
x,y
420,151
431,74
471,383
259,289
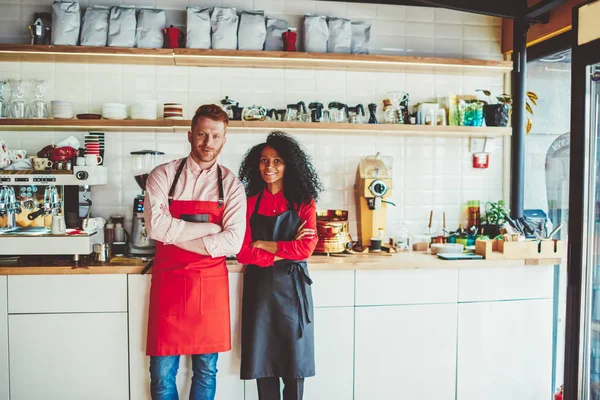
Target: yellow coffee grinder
x,y
374,186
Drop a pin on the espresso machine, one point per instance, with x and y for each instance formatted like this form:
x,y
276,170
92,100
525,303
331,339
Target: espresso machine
x,y
374,186
144,162
30,199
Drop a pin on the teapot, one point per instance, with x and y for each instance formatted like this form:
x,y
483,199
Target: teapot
x,y
227,105
254,113
63,153
316,112
173,37
356,114
338,112
296,112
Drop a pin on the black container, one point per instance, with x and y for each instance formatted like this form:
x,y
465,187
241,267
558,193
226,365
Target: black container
x,y
496,114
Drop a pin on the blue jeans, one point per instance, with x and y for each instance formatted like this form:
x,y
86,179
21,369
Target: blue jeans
x,y
163,371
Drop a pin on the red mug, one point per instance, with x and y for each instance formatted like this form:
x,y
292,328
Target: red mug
x,y
172,37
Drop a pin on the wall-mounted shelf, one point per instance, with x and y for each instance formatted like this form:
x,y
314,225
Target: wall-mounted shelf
x,y
251,59
245,126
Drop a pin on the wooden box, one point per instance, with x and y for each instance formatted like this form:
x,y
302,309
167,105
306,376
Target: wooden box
x,y
530,249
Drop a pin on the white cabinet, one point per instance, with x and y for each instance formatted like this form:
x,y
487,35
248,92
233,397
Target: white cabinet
x,y
505,350
406,352
4,388
333,288
68,356
229,385
334,357
406,286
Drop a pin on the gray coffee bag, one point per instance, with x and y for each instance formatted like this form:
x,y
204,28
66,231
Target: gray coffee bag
x,y
361,36
316,34
94,28
340,35
198,28
121,26
66,21
149,32
252,31
275,28
224,22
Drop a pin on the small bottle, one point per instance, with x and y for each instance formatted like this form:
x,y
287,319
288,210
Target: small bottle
x,y
441,117
429,117
380,234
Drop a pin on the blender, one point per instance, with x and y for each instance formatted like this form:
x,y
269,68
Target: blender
x,y
144,162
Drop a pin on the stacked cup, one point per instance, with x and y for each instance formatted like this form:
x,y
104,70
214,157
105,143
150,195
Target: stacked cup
x,y
94,145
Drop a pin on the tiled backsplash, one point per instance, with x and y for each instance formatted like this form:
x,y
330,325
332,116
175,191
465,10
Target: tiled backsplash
x,y
428,173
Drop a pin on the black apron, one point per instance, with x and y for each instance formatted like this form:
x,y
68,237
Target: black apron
x,y
277,307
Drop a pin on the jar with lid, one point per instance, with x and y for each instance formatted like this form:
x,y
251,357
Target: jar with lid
x,y
430,117
441,117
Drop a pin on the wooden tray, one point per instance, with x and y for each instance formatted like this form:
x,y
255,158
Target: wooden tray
x,y
531,249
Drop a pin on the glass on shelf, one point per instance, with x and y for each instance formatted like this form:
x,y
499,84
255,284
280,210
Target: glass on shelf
x,y
38,108
473,113
399,101
17,104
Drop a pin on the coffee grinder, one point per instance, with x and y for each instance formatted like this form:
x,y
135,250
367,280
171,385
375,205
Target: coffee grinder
x,y
144,162
374,186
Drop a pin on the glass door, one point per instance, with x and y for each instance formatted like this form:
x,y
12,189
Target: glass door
x,y
590,344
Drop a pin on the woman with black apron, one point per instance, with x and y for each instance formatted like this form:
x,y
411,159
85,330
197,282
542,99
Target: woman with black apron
x,y
277,306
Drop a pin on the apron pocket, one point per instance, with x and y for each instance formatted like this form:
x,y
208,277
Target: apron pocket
x,y
214,294
172,295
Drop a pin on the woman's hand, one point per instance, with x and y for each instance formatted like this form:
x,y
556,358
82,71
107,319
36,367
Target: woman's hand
x,y
304,232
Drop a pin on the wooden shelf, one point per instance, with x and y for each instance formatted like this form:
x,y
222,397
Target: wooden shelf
x,y
251,59
245,126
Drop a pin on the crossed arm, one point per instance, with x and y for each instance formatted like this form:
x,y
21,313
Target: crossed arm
x,y
201,238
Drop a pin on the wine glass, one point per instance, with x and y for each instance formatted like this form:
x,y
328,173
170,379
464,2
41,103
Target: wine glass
x,y
38,108
17,105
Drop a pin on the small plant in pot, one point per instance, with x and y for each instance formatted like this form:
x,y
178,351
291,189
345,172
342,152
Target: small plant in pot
x,y
497,113
494,218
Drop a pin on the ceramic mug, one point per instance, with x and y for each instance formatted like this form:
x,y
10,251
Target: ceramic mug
x,y
89,225
92,160
41,164
100,222
58,225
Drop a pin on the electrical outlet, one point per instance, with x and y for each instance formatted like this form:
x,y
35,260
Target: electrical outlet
x,y
476,145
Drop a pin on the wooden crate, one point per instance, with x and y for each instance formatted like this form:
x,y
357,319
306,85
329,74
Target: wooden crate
x,y
531,249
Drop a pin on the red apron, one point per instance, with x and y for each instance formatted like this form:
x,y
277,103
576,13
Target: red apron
x,y
189,296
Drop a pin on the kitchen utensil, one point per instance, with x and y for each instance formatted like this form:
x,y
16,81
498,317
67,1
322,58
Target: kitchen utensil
x,y
40,164
173,37
316,112
399,102
375,245
554,231
17,105
40,31
58,225
80,161
338,112
332,231
91,160
173,111
227,106
38,107
102,251
272,115
440,248
254,113
88,116
63,153
295,112
289,39
356,114
89,225
372,113
61,109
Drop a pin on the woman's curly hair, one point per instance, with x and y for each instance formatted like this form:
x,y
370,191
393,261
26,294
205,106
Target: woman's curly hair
x,y
300,183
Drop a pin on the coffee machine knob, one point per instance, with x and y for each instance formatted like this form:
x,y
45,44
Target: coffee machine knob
x,y
82,175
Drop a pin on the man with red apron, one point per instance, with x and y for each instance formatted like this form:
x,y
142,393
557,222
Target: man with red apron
x,y
195,209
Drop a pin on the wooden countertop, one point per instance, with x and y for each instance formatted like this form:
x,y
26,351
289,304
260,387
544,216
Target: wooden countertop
x,y
121,265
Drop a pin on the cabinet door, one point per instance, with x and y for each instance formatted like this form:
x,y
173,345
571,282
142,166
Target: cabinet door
x,y
334,357
229,385
405,352
68,356
3,339
505,350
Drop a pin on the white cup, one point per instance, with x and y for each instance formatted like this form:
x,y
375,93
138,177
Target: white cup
x,y
58,225
89,225
100,222
80,161
91,160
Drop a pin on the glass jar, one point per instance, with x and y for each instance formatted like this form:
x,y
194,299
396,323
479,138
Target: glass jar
x,y
474,211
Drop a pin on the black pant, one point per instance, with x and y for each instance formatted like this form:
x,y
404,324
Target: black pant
x,y
268,388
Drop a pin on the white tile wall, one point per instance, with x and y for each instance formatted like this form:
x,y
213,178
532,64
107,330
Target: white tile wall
x,y
428,173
